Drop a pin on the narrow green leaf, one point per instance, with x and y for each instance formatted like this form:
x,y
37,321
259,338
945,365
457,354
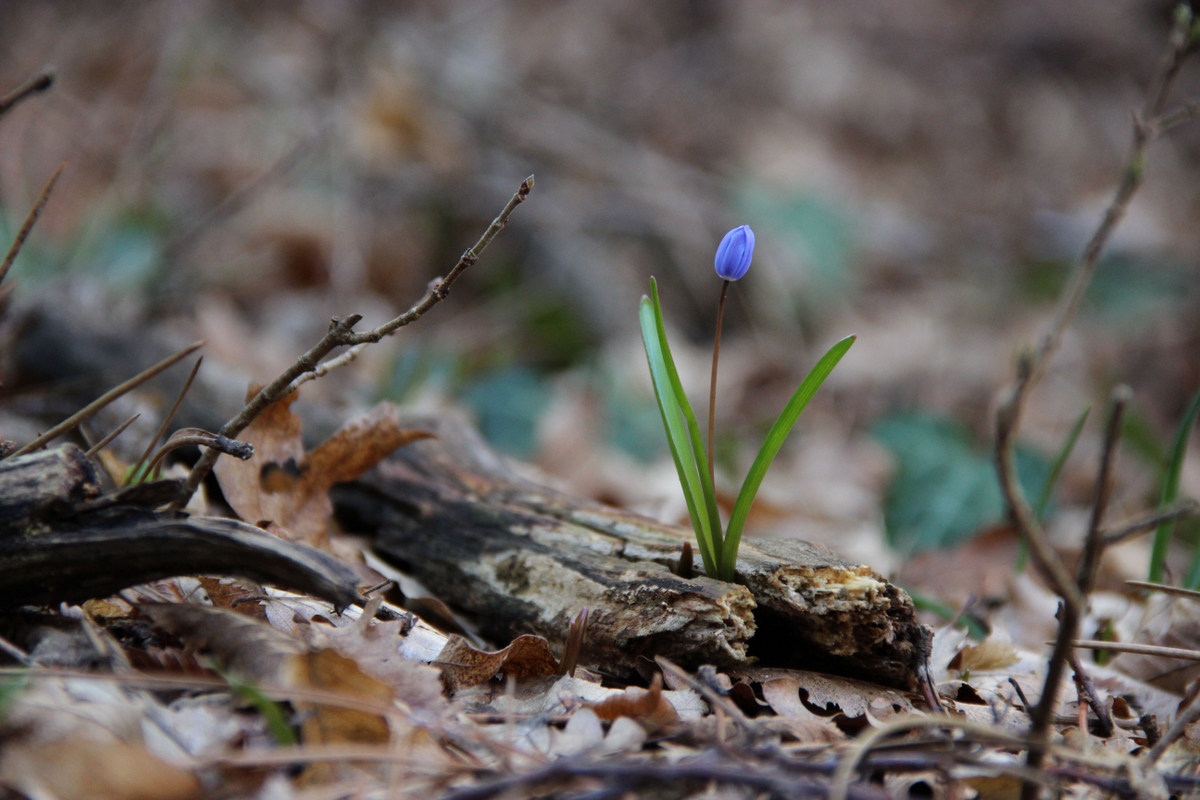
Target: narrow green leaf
x,y
677,438
699,454
1170,490
770,447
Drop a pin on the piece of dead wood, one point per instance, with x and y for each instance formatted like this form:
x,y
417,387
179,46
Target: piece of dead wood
x,y
520,558
61,540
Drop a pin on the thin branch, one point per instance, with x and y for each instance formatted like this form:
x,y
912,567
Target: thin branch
x,y
201,438
341,333
1094,543
27,226
88,411
1178,591
107,440
35,85
137,465
1148,522
1138,649
436,292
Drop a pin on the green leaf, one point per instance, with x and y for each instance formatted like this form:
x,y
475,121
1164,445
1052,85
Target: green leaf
x,y
770,447
1170,490
945,487
698,452
677,437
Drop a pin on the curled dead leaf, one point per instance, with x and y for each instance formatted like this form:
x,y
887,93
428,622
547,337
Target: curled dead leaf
x,y
463,666
648,707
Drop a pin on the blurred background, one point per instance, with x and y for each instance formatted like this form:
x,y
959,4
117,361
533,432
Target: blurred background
x,y
921,174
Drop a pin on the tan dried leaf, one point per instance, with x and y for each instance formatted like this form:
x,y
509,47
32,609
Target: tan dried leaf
x,y
853,698
783,695
79,766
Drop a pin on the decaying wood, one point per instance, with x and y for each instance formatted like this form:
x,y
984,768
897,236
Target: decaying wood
x,y
520,558
60,540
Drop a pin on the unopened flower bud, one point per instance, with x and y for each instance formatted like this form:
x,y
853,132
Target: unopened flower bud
x,y
734,253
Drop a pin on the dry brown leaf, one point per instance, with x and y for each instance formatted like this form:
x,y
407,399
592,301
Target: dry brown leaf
x,y
258,490
327,723
463,666
246,647
282,485
79,766
647,707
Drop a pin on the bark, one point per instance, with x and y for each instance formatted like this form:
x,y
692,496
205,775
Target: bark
x,y
518,558
61,541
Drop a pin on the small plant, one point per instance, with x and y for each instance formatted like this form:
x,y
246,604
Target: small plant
x,y
718,548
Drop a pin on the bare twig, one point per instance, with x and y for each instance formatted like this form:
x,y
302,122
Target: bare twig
x,y
1139,649
150,445
1178,591
88,411
201,438
1094,543
341,333
36,84
436,292
27,226
1148,522
1147,125
107,440
1087,691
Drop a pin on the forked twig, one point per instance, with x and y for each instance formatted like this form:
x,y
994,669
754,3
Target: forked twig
x,y
1148,124
88,411
341,333
27,226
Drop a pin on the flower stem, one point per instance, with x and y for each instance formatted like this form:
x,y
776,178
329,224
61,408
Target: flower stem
x,y
712,387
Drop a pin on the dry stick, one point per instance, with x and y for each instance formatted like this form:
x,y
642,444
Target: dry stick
x,y
36,84
1093,543
107,440
1179,591
341,333
1146,126
201,438
34,213
1138,649
137,465
1087,691
88,411
1180,510
1072,608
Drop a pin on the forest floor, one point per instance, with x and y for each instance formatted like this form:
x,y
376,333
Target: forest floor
x,y
929,178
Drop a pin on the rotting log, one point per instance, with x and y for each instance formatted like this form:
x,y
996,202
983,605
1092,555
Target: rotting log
x,y
61,540
517,557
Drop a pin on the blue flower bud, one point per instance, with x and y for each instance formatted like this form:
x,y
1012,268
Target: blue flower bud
x,y
734,253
